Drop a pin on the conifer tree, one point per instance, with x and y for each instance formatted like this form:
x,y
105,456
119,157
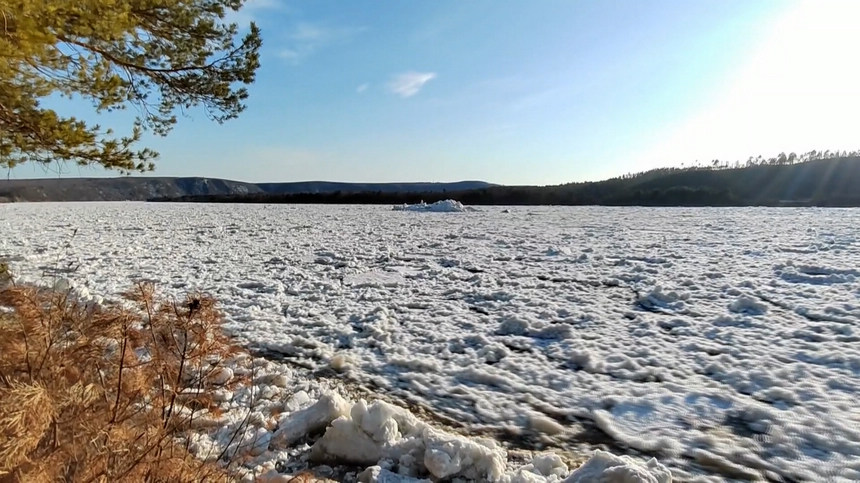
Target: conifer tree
x,y
157,56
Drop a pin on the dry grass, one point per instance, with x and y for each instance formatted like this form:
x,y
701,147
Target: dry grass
x,y
5,274
105,393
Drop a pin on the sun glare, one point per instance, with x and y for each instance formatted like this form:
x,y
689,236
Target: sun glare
x,y
797,90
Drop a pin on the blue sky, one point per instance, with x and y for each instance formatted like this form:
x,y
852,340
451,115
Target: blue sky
x,y
522,92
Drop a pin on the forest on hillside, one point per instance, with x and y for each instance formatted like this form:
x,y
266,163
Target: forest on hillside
x,y
812,179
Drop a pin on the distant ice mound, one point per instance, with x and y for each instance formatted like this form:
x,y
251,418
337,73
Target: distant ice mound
x,y
444,206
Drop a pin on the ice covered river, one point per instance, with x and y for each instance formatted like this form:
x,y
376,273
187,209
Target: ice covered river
x,y
726,342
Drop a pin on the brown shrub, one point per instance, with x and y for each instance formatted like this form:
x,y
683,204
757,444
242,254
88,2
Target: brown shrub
x,y
92,393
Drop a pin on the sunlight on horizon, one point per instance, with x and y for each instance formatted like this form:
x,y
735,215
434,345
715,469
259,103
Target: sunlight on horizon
x,y
798,90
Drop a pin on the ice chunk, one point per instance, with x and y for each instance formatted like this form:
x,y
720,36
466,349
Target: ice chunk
x,y
748,305
380,430
340,362
378,421
221,375
587,361
605,467
360,438
448,455
557,251
297,401
222,395
62,285
544,425
377,474
281,380
260,442
543,468
513,326
659,300
311,419
549,464
443,206
345,442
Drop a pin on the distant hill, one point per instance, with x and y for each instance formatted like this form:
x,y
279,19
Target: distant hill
x,y
145,188
332,187
818,182
822,182
117,189
833,181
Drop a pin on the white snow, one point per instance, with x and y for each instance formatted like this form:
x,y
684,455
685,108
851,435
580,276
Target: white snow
x,y
724,342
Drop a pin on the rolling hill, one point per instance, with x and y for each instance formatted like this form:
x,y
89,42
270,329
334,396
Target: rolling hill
x,y
132,188
833,181
820,182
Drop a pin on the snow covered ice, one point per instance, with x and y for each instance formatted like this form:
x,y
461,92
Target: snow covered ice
x,y
723,342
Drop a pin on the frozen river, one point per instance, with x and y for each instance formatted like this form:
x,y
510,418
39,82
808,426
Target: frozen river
x,y
726,342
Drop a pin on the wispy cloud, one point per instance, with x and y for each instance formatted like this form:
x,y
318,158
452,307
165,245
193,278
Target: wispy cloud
x,y
292,55
306,38
360,89
308,32
409,83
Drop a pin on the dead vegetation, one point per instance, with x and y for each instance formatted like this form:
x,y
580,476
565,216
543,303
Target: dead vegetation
x,y
91,394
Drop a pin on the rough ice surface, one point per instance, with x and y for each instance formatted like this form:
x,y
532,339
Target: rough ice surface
x,y
443,206
724,342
